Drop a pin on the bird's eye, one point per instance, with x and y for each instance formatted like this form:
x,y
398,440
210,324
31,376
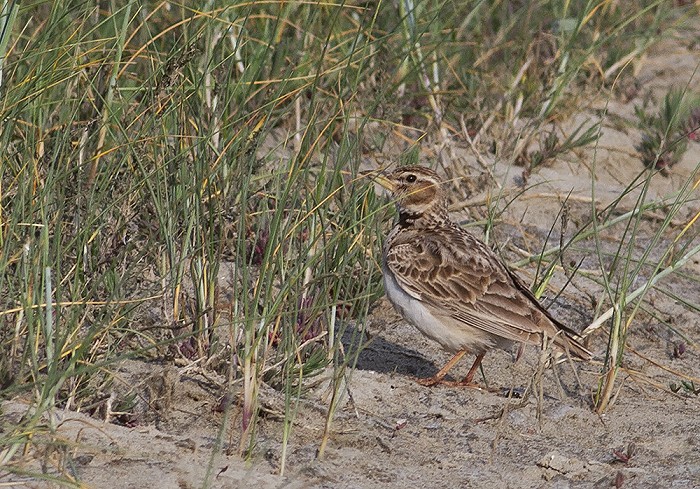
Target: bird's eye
x,y
411,178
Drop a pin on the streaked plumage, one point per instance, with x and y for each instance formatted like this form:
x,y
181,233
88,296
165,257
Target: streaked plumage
x,y
453,287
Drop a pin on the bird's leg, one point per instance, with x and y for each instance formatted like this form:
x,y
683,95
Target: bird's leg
x,y
467,381
437,378
521,348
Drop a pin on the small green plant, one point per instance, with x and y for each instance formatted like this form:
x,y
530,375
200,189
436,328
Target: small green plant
x,y
552,146
685,386
665,134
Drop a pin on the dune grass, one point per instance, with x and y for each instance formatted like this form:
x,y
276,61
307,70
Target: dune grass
x,y
146,144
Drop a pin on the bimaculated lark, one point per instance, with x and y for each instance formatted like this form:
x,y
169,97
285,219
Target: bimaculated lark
x,y
453,287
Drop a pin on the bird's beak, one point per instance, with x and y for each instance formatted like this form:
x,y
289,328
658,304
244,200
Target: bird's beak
x,y
381,179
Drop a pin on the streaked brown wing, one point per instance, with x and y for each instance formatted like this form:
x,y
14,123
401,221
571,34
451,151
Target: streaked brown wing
x,y
462,278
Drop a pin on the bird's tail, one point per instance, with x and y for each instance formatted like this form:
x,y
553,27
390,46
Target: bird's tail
x,y
569,344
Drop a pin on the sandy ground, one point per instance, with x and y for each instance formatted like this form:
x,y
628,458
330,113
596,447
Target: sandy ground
x,y
390,432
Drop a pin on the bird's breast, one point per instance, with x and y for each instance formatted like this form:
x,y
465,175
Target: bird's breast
x,y
418,315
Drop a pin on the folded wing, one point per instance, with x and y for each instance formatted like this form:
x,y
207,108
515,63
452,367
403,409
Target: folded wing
x,y
466,281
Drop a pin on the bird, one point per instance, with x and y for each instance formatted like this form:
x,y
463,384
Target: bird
x,y
453,287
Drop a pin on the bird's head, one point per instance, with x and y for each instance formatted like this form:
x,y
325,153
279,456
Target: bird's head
x,y
417,191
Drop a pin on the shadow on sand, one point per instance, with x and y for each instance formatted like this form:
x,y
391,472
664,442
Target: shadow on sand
x,y
383,356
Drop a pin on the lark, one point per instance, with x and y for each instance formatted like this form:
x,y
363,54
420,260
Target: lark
x,y
451,286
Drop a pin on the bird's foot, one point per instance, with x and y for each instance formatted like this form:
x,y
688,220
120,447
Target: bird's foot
x,y
434,381
429,382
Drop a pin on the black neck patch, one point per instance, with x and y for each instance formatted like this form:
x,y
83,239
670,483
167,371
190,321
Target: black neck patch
x,y
406,219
